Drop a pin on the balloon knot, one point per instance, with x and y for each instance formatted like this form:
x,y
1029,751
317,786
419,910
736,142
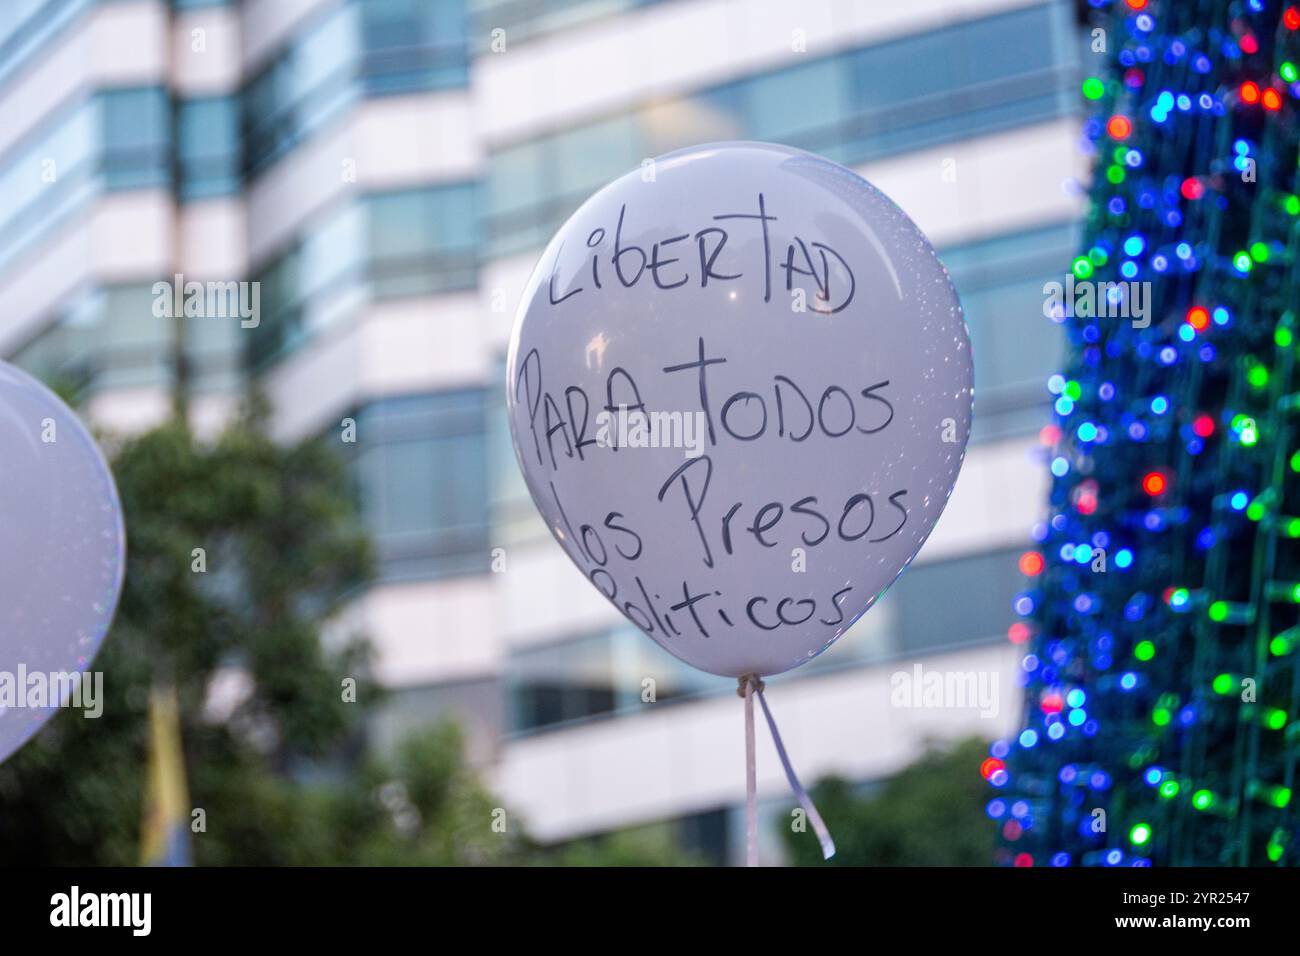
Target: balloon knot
x,y
746,678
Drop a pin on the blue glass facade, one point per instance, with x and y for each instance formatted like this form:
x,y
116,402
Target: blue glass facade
x,y
110,140
526,19
853,107
385,245
357,50
420,466
601,674
26,26
434,472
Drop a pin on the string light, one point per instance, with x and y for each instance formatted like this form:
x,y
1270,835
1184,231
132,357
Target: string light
x,y
1150,416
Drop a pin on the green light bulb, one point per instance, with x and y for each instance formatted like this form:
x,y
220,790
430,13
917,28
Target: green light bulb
x,y
1140,834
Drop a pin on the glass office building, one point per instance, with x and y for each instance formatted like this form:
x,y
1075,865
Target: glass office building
x,y
387,171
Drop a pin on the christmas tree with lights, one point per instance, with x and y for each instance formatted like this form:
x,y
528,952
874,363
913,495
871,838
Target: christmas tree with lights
x,y
1160,615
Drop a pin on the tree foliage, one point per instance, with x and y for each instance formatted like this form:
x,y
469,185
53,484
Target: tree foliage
x,y
929,814
239,552
243,629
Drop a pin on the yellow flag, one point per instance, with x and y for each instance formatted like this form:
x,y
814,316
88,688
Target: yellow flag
x,y
165,839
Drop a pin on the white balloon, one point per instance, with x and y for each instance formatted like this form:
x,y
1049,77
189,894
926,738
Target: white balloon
x,y
740,389
62,548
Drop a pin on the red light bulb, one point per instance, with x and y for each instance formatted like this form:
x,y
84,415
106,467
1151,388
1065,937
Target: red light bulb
x,y
1031,564
1155,483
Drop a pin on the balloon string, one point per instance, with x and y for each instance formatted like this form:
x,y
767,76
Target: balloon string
x,y
751,683
751,787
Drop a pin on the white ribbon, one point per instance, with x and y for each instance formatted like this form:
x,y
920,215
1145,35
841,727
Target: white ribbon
x,y
752,684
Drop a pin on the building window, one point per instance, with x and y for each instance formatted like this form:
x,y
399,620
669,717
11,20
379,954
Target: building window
x,y
988,582
524,19
358,49
973,77
603,674
385,245
1000,281
422,241
136,131
19,15
596,675
420,467
27,27
117,139
303,88
413,45
208,147
108,337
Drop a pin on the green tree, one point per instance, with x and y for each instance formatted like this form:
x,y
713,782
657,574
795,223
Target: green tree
x,y
929,814
276,760
425,807
280,551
